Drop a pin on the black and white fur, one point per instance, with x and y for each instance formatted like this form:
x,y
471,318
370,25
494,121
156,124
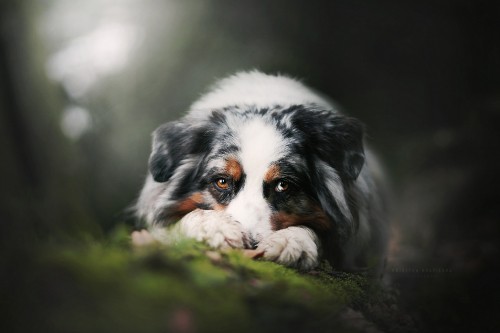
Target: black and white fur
x,y
263,162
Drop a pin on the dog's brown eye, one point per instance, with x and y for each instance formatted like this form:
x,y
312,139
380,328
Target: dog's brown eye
x,y
282,186
222,183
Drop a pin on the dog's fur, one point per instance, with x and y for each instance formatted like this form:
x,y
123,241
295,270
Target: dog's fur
x,y
264,162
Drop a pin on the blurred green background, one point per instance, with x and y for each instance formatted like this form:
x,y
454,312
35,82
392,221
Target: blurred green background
x,y
84,83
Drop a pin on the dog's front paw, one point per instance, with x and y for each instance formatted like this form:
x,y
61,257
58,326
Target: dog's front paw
x,y
142,238
215,228
295,247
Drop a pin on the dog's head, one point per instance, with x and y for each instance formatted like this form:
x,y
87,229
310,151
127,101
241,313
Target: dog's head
x,y
269,168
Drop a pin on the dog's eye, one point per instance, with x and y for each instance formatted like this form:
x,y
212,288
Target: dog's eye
x,y
222,183
281,186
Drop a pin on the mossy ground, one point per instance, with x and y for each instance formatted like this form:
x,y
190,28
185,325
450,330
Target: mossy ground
x,y
109,286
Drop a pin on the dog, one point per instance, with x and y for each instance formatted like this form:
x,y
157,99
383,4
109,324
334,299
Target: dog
x,y
263,162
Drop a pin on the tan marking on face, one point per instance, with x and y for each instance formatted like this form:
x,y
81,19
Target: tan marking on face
x,y
234,169
316,220
189,204
272,173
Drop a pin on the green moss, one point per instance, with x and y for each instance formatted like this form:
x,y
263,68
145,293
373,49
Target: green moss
x,y
110,286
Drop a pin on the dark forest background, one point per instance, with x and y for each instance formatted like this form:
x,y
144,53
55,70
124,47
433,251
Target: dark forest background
x,y
82,86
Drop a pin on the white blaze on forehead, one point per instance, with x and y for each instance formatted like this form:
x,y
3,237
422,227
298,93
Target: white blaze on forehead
x,y
261,144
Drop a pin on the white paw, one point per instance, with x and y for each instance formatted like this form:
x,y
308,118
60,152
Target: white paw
x,y
142,238
295,247
215,228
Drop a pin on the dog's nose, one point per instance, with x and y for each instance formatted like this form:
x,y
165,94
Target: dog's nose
x,y
250,242
253,243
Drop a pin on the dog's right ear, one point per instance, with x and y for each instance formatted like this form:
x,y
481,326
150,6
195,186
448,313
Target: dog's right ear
x,y
172,143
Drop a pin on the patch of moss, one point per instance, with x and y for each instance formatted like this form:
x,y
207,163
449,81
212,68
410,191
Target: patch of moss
x,y
188,287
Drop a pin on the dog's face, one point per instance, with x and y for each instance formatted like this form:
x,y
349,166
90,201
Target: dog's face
x,y
268,168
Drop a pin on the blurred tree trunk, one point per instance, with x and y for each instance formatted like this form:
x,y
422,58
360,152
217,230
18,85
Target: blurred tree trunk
x,y
40,193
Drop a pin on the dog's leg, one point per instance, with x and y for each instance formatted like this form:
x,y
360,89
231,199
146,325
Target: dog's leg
x,y
215,228
142,238
294,247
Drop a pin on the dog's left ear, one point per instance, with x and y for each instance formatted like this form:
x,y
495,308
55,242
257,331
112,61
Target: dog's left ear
x,y
335,138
